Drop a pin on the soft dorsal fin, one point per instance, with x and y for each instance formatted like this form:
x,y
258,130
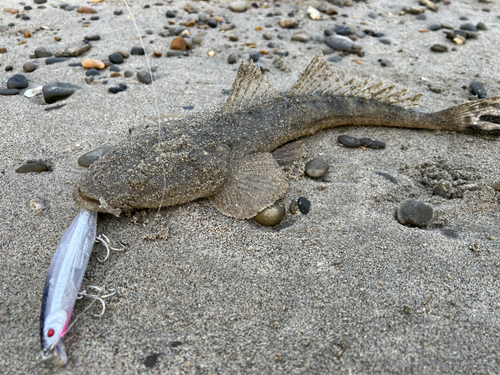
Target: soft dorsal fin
x,y
319,78
249,89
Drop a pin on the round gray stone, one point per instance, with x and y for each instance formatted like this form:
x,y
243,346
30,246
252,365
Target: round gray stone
x,y
413,212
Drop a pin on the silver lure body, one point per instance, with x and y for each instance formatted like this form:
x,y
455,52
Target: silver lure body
x,y
63,282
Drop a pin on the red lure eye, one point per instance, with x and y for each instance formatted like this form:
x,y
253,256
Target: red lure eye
x,y
50,333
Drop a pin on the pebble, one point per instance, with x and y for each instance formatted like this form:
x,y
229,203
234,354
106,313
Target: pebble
x,y
335,59
9,91
42,52
384,62
116,58
304,205
267,36
55,91
89,80
8,68
384,41
3,50
238,6
175,53
481,26
211,53
413,212
288,24
17,81
478,89
314,13
93,64
128,73
33,166
435,26
439,48
178,43
367,142
123,53
255,56
171,14
349,141
137,51
92,72
341,30
115,74
339,43
86,10
93,37
468,27
114,68
271,216
74,51
118,12
212,22
86,160
303,38
316,168
233,58
29,67
54,60
144,77
198,40
202,17
94,18
37,205
373,15
233,38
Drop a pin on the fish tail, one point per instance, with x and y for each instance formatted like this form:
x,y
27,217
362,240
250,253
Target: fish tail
x,y
479,117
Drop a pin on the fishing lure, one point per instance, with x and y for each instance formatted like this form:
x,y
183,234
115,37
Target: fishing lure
x,y
63,282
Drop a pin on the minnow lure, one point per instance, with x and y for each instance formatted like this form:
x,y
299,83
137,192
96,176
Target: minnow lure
x,y
63,282
225,154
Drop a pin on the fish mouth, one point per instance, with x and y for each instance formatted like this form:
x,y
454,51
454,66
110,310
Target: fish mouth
x,y
93,204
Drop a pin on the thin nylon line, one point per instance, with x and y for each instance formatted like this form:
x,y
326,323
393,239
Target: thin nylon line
x,y
156,104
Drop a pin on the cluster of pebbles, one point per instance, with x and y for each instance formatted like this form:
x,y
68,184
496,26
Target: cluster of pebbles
x,y
188,27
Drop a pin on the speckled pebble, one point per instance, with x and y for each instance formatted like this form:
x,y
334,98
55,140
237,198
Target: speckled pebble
x,y
349,141
316,168
128,73
413,212
271,216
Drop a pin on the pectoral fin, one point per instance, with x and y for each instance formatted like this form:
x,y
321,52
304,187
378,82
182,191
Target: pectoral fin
x,y
253,183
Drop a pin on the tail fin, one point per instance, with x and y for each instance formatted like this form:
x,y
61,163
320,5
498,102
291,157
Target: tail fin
x,y
480,117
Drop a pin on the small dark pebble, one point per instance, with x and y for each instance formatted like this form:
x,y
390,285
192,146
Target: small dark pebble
x,y
86,160
114,68
54,60
144,77
137,51
128,73
373,15
439,48
93,37
481,26
55,91
116,58
212,22
27,7
335,59
367,142
8,68
171,14
304,205
9,91
94,18
118,12
255,56
463,18
478,89
89,80
105,82
75,64
468,27
384,63
29,67
435,26
25,17
384,41
232,58
349,141
188,107
33,166
54,107
17,81
413,212
92,72
151,360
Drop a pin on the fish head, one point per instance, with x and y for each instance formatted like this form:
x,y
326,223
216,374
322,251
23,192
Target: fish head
x,y
52,332
150,174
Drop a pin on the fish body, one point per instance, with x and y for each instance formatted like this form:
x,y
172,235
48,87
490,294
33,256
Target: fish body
x,y
226,154
63,282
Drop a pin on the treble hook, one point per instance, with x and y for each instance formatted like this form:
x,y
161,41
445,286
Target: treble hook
x,y
98,297
107,244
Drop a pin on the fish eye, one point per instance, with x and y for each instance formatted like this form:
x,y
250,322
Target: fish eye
x,y
50,333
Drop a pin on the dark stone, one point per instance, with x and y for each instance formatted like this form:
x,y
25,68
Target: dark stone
x,y
9,91
468,27
128,73
94,18
463,18
55,91
478,89
233,58
29,67
304,205
373,15
116,58
171,14
255,56
384,63
137,51
384,41
42,52
93,37
92,72
341,30
75,64
349,141
144,77
54,60
188,107
25,17
118,12
17,81
8,68
435,26
33,166
338,43
335,59
39,1
481,26
212,22
115,90
413,212
439,48
27,7
151,360
114,68
367,142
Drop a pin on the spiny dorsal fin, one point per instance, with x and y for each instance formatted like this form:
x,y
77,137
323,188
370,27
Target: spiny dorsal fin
x,y
318,77
249,89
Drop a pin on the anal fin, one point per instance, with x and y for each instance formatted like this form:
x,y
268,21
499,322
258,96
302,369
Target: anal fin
x,y
253,183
